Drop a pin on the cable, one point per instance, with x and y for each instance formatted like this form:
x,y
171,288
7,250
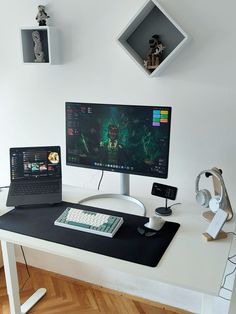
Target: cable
x,y
174,205
222,286
229,258
227,299
234,263
27,269
224,281
4,187
231,232
99,183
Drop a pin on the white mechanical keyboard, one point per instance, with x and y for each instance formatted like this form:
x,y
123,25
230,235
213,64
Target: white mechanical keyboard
x,y
89,221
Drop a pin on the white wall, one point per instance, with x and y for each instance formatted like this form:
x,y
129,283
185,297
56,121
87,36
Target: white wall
x,y
199,84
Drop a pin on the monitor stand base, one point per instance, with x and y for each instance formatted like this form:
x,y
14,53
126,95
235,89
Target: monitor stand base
x,y
116,196
123,195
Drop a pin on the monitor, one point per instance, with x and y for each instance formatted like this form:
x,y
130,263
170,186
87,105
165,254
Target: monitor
x,y
129,139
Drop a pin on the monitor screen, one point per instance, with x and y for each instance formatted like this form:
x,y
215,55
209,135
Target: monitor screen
x,y
130,139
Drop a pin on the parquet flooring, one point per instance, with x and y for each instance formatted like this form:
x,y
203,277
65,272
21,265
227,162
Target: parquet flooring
x,y
66,295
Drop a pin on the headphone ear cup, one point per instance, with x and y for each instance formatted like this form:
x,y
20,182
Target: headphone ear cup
x,y
203,197
214,203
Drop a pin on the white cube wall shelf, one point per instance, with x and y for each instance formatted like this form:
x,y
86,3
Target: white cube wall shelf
x,y
48,36
150,20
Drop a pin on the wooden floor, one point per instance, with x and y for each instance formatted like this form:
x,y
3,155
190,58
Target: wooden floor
x,y
69,296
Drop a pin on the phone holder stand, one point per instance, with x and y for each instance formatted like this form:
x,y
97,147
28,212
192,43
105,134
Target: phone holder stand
x,y
221,235
214,230
163,211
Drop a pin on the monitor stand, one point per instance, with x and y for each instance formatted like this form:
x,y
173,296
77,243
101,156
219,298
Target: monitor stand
x,y
124,194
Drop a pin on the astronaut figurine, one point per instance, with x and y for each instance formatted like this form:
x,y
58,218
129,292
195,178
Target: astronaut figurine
x,y
42,15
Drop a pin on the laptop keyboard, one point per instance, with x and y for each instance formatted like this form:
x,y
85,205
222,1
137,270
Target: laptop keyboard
x,y
36,188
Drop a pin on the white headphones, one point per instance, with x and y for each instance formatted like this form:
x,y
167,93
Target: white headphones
x,y
204,197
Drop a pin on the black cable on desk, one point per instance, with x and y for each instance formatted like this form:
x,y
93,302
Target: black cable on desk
x,y
231,232
174,205
229,259
223,287
27,268
99,183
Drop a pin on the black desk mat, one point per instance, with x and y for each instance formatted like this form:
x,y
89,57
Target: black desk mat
x,y
127,244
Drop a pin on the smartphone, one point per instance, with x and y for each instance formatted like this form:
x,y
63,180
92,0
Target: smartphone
x,y
165,191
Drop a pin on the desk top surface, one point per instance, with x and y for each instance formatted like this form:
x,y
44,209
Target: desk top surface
x,y
189,262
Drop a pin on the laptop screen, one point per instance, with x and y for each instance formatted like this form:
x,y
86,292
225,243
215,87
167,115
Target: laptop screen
x,y
35,162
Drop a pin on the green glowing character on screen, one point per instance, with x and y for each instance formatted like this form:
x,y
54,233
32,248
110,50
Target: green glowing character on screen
x,y
112,151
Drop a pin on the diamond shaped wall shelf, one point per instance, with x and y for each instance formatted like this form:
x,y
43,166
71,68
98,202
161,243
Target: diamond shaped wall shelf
x,y
151,20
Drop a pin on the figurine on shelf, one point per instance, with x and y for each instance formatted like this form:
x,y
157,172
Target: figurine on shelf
x,y
38,51
154,53
42,15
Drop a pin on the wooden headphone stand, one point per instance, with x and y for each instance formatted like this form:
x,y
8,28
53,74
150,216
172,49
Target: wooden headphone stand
x,y
208,215
221,235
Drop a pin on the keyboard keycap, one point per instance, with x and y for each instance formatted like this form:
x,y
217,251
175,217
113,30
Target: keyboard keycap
x,y
88,221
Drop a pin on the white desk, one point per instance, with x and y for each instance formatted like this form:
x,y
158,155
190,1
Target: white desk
x,y
189,262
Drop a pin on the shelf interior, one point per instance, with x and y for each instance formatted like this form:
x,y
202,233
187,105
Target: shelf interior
x,y
152,20
155,23
28,45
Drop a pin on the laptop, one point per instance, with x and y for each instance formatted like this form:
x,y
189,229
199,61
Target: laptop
x,y
35,176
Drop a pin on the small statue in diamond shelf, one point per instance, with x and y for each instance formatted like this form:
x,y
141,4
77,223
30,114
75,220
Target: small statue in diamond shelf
x,y
154,53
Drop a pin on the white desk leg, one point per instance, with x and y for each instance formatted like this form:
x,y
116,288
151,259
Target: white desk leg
x,y
207,304
9,260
